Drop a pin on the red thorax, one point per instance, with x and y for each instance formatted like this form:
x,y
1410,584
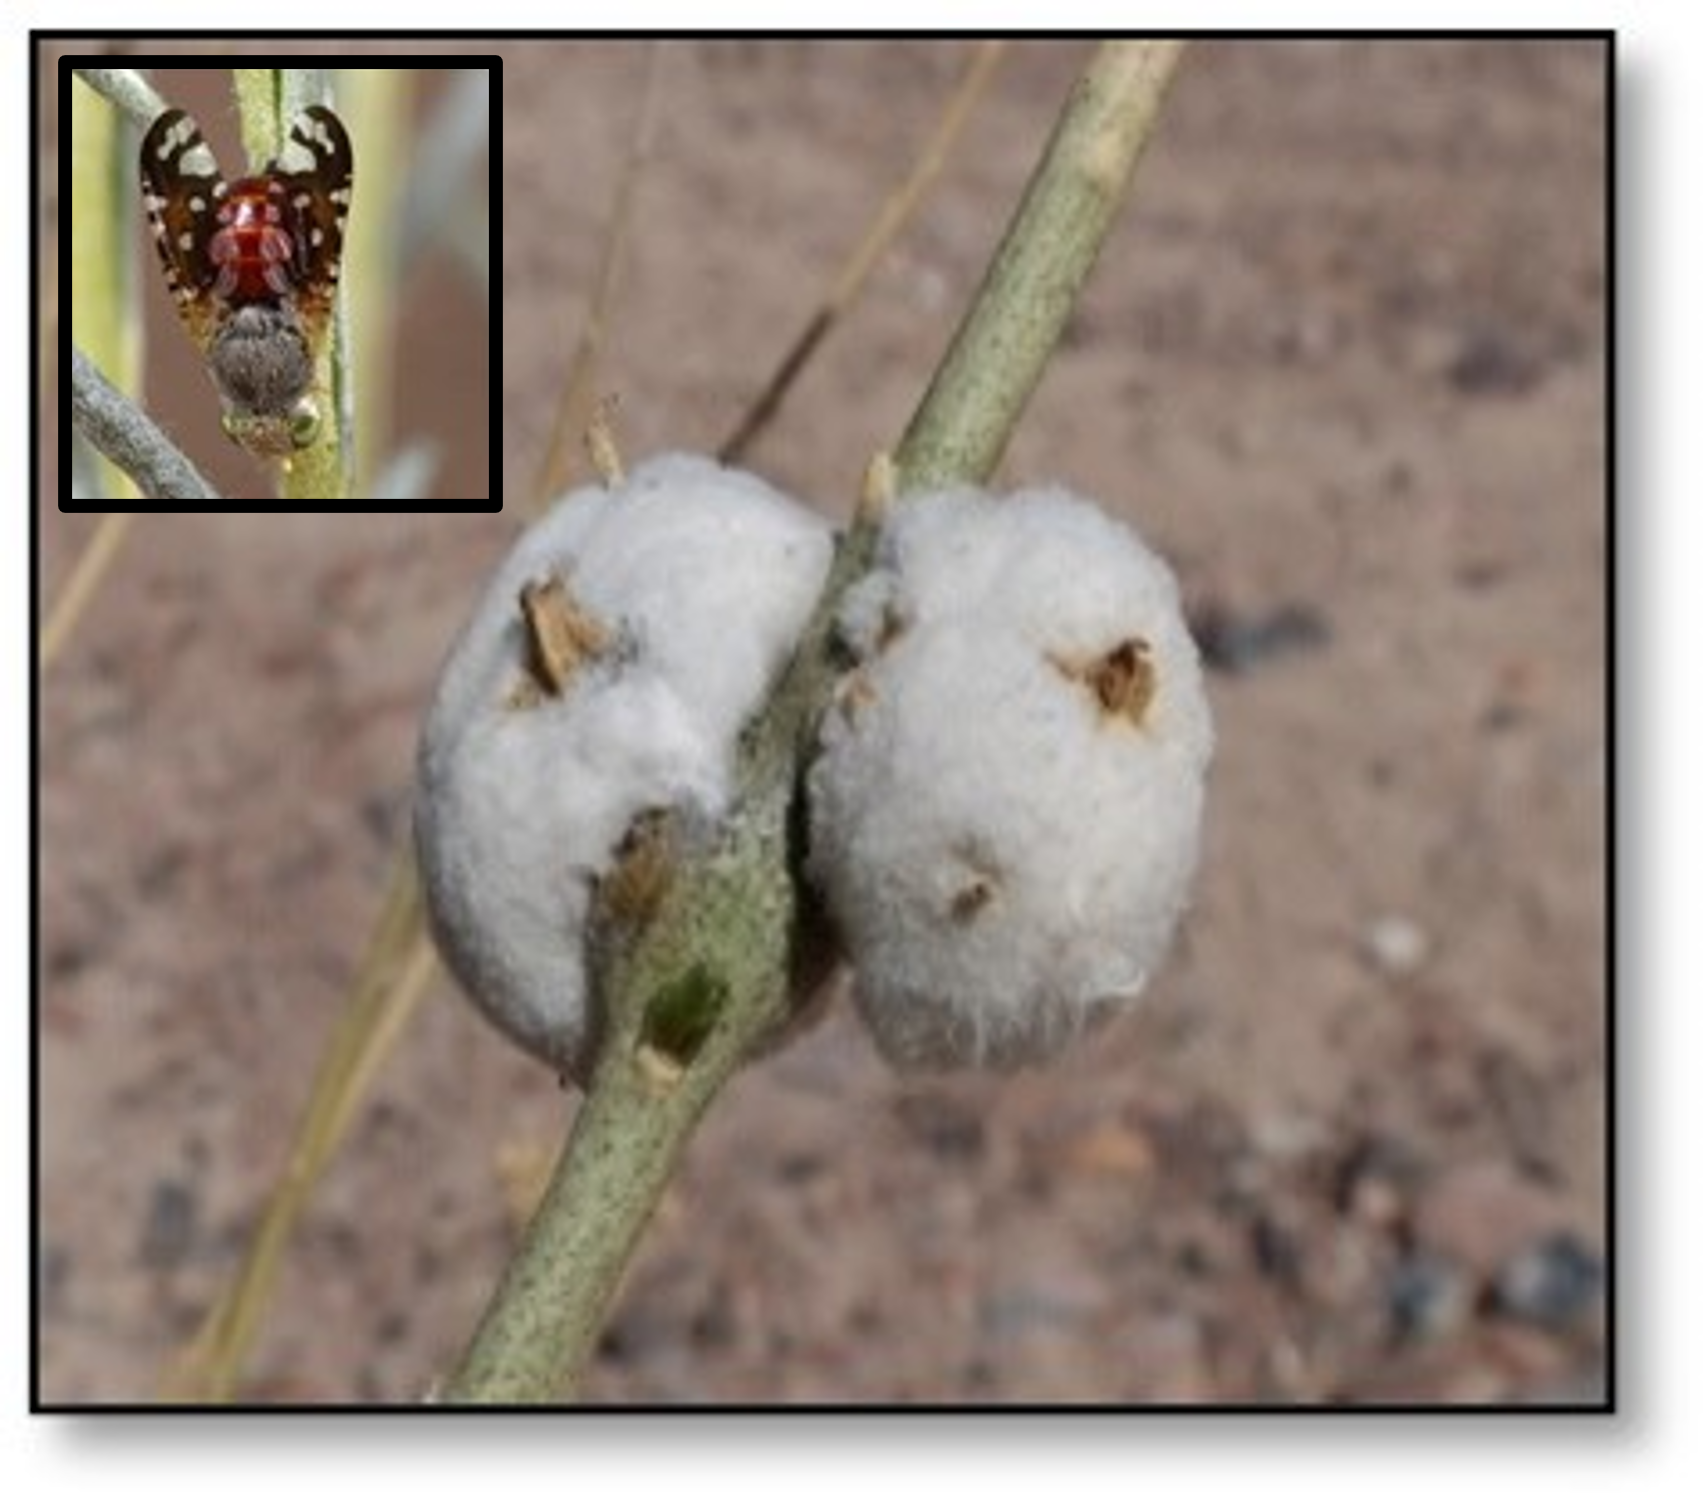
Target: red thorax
x,y
251,248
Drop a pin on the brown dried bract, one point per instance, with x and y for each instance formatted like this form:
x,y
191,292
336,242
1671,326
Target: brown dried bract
x,y
601,441
562,636
631,891
969,900
893,625
985,878
877,488
1123,681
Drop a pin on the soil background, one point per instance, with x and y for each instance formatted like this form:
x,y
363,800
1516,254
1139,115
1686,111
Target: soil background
x,y
1344,362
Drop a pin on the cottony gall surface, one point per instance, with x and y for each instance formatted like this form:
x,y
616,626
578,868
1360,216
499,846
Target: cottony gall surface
x,y
606,674
1006,806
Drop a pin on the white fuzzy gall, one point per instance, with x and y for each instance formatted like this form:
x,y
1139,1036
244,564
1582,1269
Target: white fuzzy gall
x,y
606,672
1007,799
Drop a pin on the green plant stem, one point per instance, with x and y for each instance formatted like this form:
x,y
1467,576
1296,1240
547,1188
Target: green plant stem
x,y
1003,345
707,980
259,116
268,103
375,104
722,941
105,321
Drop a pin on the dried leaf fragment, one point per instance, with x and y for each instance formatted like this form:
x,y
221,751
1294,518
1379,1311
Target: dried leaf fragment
x,y
562,636
1123,681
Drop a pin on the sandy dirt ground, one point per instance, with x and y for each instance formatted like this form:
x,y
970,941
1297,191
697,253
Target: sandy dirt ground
x,y
1345,362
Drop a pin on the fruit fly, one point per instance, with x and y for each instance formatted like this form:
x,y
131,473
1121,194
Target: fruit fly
x,y
253,267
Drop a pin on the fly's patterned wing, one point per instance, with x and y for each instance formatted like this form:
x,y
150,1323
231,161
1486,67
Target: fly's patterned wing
x,y
182,200
317,202
275,237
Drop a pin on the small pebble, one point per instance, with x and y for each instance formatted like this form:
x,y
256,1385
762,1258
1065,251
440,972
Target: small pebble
x,y
1287,1135
1552,1283
1428,1296
1236,642
1277,1248
1395,945
946,1127
169,1228
1110,1149
1494,360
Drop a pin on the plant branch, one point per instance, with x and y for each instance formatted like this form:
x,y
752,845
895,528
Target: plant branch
x,y
376,107
129,438
999,353
260,118
127,89
707,982
269,101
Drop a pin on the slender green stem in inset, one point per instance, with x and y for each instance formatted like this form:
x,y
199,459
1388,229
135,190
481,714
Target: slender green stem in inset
x,y
269,101
375,104
708,979
260,117
103,295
